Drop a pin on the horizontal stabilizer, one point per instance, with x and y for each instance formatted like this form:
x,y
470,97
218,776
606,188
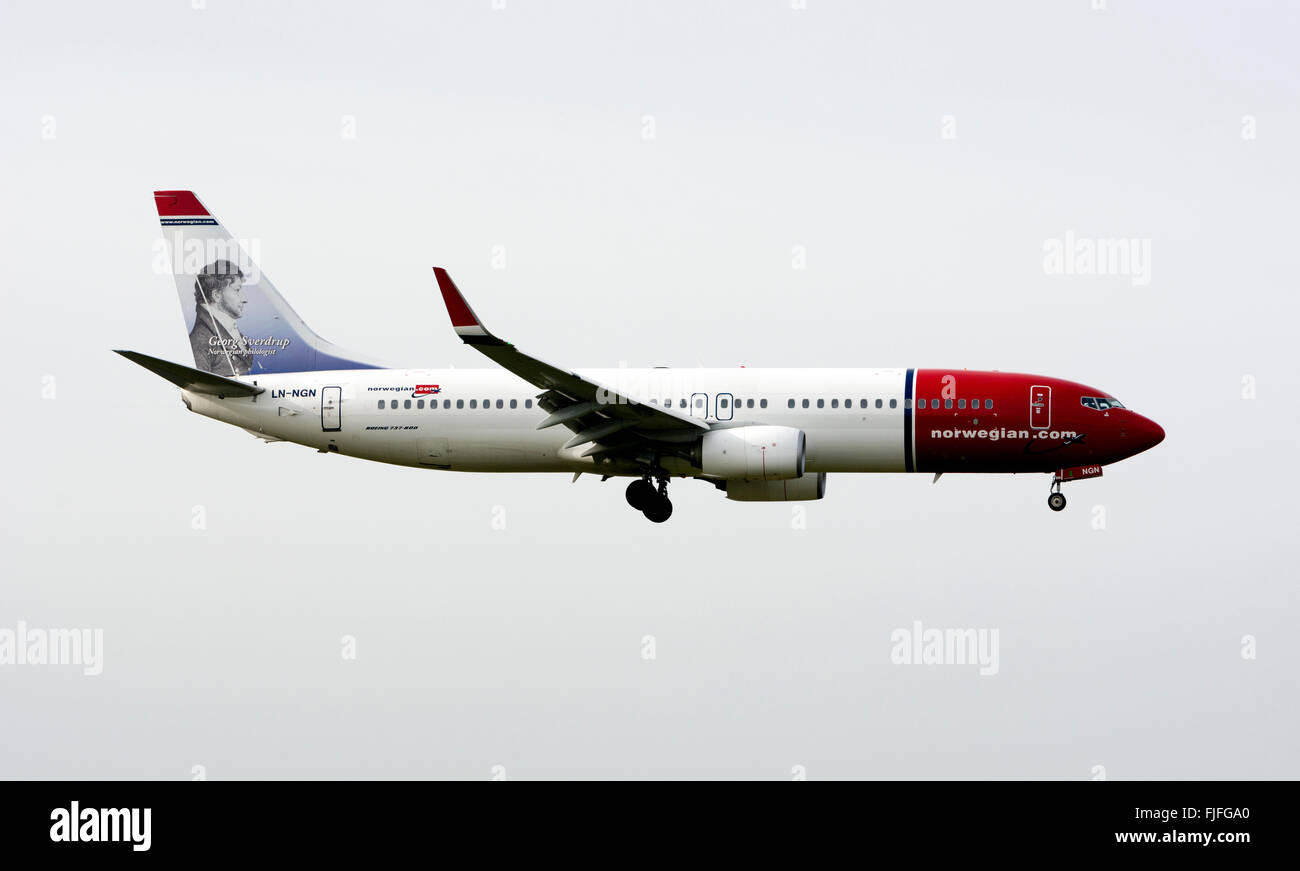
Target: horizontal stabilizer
x,y
194,380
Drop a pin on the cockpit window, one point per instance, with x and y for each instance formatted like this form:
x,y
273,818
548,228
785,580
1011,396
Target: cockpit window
x,y
1100,403
1089,401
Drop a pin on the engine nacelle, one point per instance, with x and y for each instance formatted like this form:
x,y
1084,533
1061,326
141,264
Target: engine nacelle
x,y
757,453
796,490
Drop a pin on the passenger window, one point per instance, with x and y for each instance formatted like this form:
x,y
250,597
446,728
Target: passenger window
x,y
790,404
907,403
805,403
487,403
988,403
446,403
499,403
528,403
961,403
473,403
381,405
880,403
682,404
722,403
419,403
762,403
947,403
514,403
893,403
407,404
821,403
920,403
862,403
835,403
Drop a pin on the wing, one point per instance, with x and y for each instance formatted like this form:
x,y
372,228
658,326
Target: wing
x,y
615,423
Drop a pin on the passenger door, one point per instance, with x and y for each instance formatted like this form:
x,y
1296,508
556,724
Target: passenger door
x,y
1040,406
331,402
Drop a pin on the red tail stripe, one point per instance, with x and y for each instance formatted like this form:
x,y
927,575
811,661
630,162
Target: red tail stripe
x,y
176,203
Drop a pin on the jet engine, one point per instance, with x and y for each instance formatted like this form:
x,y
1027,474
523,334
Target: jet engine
x,y
756,453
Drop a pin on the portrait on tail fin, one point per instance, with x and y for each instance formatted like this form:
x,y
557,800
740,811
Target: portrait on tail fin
x,y
219,347
238,323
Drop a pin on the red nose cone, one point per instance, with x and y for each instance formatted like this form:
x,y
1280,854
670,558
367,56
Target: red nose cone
x,y
1148,433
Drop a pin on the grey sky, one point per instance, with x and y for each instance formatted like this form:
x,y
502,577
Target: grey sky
x,y
773,128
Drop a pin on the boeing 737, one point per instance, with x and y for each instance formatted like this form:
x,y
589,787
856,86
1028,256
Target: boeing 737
x,y
757,435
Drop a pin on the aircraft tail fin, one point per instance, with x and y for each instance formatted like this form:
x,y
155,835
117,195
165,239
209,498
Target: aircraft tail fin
x,y
237,321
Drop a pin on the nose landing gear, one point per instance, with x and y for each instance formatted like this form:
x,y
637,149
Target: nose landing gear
x,y
652,502
1056,499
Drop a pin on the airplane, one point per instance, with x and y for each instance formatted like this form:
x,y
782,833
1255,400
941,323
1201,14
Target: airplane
x,y
756,434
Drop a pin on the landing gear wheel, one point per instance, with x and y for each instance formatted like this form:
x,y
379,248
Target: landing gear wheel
x,y
640,494
1056,502
659,510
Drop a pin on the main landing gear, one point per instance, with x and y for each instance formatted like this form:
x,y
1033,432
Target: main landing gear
x,y
652,502
1056,500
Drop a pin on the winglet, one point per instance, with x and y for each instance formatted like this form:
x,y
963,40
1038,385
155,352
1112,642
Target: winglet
x,y
466,323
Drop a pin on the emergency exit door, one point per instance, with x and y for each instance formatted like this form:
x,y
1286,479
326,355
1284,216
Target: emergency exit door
x,y
1040,406
330,416
700,405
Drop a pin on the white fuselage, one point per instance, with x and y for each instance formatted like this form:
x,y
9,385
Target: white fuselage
x,y
485,420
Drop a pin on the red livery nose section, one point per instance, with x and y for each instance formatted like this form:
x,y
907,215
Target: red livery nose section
x,y
966,421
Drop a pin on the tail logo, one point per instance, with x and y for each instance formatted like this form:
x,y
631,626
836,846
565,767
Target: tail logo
x,y
238,323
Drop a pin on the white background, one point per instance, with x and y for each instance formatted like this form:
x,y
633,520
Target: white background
x,y
774,127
